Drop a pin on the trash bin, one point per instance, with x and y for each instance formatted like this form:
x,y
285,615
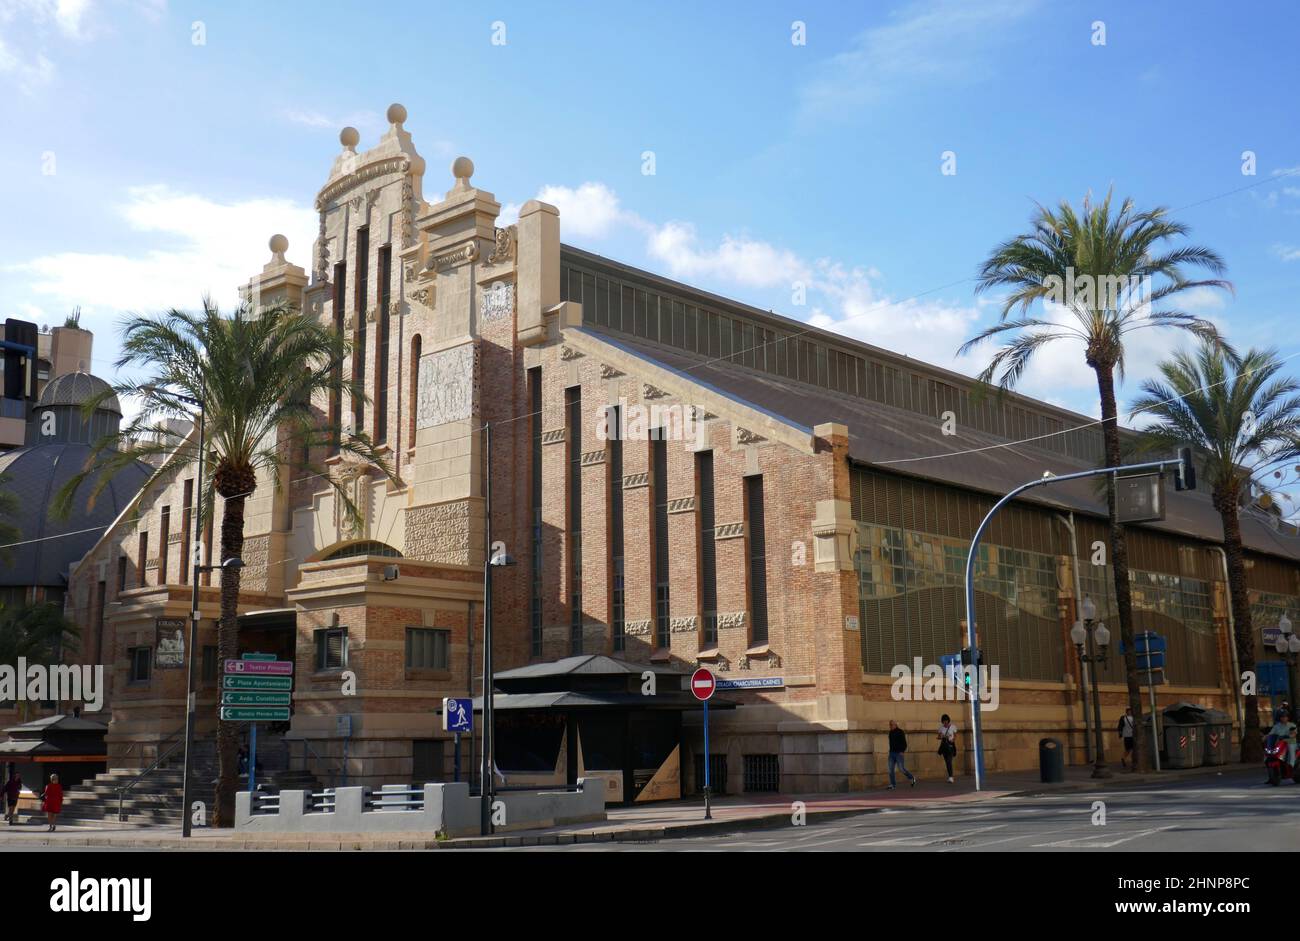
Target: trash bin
x,y
1184,726
1218,737
1051,761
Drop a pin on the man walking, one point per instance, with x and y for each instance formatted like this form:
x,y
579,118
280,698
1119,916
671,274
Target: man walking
x,y
1127,731
897,746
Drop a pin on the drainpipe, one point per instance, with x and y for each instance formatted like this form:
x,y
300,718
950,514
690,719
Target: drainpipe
x,y
1232,645
1068,522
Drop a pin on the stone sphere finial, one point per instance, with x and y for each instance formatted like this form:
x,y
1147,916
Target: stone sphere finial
x,y
462,168
396,113
417,166
279,245
349,137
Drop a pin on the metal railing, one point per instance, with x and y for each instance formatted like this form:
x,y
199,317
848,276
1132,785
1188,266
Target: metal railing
x,y
393,798
332,774
266,803
179,735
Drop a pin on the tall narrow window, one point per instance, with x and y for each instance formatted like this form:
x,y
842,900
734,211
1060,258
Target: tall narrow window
x,y
187,530
535,502
618,599
573,437
384,273
659,467
121,574
101,602
340,325
164,532
415,386
757,559
708,551
359,349
207,547
141,557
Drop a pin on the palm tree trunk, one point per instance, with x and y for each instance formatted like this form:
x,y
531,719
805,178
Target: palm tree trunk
x,y
1119,552
232,544
1225,501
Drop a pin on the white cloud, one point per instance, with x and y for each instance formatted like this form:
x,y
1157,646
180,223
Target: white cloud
x,y
202,245
949,40
27,73
1287,252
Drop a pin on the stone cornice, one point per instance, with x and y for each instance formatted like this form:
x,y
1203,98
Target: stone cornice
x,y
399,163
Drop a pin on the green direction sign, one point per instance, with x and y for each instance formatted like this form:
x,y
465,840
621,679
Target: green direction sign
x,y
256,682
229,698
258,656
254,714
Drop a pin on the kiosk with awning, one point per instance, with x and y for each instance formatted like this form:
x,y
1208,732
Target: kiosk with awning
x,y
592,717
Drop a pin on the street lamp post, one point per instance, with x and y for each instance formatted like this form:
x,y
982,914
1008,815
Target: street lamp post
x,y
1095,637
1288,648
491,560
194,628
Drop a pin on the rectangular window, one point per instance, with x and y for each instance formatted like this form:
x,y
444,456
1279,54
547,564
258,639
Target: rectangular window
x,y
165,531
121,573
381,353
708,550
428,649
359,346
757,559
141,558
573,438
762,773
101,602
141,660
659,467
187,530
535,501
618,600
331,648
340,324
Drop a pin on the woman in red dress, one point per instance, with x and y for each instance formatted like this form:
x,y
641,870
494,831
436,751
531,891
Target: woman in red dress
x,y
52,800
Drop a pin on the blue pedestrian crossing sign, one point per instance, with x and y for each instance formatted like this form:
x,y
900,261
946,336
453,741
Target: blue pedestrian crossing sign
x,y
458,715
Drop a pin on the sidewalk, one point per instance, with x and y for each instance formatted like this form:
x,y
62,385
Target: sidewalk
x,y
625,824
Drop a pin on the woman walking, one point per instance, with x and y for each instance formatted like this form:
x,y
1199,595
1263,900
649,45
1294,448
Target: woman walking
x,y
947,742
52,800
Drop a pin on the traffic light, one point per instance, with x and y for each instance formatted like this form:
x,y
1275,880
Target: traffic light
x,y
1185,476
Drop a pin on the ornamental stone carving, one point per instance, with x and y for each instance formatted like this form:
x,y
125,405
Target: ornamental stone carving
x,y
446,381
554,436
729,530
653,392
569,353
423,296
591,458
633,481
322,252
731,619
497,302
701,414
459,256
503,246
636,628
609,372
682,625
439,533
682,505
745,436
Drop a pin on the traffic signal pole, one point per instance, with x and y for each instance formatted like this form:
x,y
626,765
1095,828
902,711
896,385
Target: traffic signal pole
x,y
1186,481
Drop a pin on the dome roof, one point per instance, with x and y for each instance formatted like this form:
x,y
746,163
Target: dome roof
x,y
34,475
78,388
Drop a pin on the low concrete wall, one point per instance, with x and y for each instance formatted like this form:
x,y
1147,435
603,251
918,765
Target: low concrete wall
x,y
448,808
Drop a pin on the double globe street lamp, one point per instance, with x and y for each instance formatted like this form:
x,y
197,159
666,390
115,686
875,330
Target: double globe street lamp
x,y
1095,637
1288,648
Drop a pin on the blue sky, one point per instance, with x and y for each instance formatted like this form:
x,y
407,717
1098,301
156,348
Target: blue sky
x,y
173,160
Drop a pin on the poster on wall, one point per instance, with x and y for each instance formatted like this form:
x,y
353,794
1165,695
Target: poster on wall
x,y
169,646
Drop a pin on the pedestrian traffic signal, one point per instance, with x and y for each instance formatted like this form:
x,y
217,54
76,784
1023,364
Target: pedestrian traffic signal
x,y
1185,475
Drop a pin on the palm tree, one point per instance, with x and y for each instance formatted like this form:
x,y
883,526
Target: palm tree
x,y
1243,420
38,632
1110,273
256,373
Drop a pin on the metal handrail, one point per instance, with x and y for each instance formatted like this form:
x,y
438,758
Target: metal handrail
x,y
306,747
121,791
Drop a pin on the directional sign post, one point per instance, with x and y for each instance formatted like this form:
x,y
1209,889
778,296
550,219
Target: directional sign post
x,y
703,686
457,717
256,688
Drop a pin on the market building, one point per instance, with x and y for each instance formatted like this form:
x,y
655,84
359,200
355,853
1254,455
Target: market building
x,y
678,479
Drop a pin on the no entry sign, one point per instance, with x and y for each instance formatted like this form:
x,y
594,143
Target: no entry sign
x,y
703,684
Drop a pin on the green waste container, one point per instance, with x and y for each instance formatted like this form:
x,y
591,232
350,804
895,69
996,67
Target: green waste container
x,y
1051,761
1184,727
1218,737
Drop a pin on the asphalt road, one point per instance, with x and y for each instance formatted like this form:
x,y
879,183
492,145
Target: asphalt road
x,y
1234,812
